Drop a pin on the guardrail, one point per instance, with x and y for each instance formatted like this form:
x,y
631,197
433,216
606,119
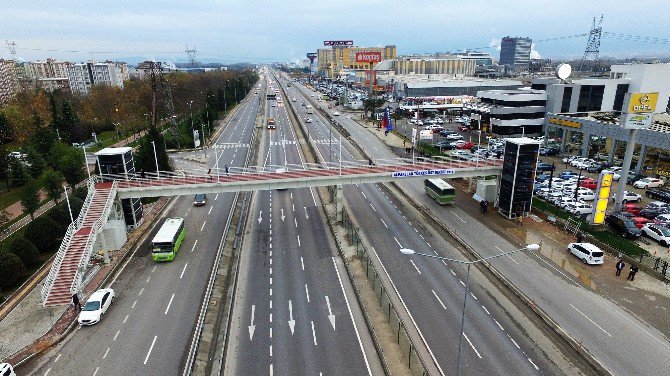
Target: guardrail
x,y
403,339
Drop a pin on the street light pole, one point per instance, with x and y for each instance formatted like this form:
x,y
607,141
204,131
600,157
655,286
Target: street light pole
x,y
158,174
86,163
469,263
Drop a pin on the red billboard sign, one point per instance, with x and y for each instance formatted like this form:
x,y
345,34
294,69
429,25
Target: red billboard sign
x,y
338,42
368,57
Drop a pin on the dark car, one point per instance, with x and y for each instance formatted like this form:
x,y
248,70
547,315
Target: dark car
x,y
624,226
200,199
444,145
652,213
634,177
545,167
462,128
549,151
598,166
658,194
568,174
446,133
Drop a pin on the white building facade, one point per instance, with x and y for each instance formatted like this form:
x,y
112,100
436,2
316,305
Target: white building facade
x,y
9,83
82,76
511,112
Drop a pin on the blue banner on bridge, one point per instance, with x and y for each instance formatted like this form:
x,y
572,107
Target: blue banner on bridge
x,y
423,173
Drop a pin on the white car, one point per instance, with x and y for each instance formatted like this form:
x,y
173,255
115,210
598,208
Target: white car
x,y
587,252
96,306
648,183
308,120
454,136
658,205
657,232
579,208
662,219
615,175
586,196
628,197
336,113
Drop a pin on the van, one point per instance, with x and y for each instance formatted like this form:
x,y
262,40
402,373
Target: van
x,y
587,252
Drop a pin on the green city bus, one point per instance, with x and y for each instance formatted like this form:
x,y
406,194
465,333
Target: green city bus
x,y
165,244
440,191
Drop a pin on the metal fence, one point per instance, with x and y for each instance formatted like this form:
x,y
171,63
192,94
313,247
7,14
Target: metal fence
x,y
402,338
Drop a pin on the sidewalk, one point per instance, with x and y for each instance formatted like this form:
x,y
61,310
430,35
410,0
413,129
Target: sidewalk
x,y
30,328
645,297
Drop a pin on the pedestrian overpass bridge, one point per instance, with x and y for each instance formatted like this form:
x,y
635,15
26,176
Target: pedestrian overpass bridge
x,y
99,219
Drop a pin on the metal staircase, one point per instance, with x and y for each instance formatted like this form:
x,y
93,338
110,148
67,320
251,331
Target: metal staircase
x,y
75,250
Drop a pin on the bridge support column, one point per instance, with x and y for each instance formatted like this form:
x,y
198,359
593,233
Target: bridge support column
x,y
339,206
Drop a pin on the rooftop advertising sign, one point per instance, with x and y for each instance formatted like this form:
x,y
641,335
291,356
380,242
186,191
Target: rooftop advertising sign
x,y
368,57
338,42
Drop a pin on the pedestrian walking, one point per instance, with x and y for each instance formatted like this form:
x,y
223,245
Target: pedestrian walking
x,y
619,267
519,220
404,142
75,302
142,174
226,169
369,161
482,206
631,274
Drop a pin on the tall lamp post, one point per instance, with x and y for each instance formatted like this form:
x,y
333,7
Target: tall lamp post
x,y
158,174
406,251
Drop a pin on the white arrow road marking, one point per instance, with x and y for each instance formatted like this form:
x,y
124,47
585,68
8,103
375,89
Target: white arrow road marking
x,y
291,322
252,327
260,217
282,215
331,317
306,215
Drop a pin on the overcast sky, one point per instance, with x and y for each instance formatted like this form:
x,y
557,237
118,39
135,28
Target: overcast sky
x,y
273,30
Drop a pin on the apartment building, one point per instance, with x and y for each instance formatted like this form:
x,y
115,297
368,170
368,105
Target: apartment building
x,y
50,74
9,82
82,76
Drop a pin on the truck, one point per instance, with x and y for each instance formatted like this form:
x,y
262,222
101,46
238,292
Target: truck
x,y
271,123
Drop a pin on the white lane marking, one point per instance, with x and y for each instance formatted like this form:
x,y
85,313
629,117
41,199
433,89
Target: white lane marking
x,y
641,328
271,373
203,225
106,352
96,371
373,208
384,223
270,319
210,210
593,322
313,333
125,319
154,269
487,311
296,222
58,357
194,244
270,281
363,193
270,292
169,304
298,240
531,362
115,335
499,326
439,300
416,229
133,306
270,350
150,348
417,269
183,270
421,236
510,257
514,342
148,279
351,315
270,271
473,346
307,293
47,372
293,207
473,295
451,270
461,282
396,240
216,197
302,263
456,215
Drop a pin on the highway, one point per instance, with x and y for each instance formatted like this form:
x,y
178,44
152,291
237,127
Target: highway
x,y
433,292
295,312
149,327
623,343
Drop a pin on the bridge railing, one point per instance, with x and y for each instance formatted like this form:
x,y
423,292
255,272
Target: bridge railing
x,y
65,243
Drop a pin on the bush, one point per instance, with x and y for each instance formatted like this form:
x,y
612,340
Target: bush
x,y
60,215
76,204
80,192
41,232
26,251
12,269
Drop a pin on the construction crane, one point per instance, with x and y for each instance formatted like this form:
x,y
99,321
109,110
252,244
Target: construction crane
x,y
12,47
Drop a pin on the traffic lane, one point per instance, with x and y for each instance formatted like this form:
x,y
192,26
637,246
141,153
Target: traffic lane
x,y
483,335
604,328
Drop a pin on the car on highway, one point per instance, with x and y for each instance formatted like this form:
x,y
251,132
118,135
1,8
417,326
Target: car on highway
x,y
200,199
336,113
623,225
6,369
454,136
648,183
587,252
308,120
659,233
658,194
96,306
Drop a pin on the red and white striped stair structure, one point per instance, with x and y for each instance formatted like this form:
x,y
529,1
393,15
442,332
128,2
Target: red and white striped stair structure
x,y
67,270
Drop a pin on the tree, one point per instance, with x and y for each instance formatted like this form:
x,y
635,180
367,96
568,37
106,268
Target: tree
x,y
42,138
18,171
12,269
69,161
41,232
53,184
372,104
35,162
5,171
6,132
26,251
30,200
144,158
68,120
